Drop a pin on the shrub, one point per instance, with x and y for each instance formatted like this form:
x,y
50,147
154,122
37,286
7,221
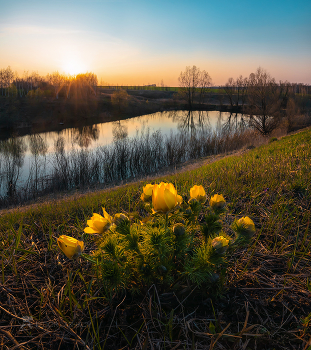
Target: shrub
x,y
273,139
120,98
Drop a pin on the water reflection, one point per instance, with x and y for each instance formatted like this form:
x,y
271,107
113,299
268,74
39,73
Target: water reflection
x,y
79,155
235,122
12,159
83,136
191,120
37,145
38,148
119,131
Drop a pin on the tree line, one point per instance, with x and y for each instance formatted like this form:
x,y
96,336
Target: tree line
x,y
258,95
52,85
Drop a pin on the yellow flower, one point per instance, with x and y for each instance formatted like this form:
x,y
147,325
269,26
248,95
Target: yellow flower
x,y
99,224
165,197
247,224
217,201
198,193
146,196
70,246
220,244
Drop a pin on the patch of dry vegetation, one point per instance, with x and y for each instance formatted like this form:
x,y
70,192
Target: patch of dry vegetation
x,y
50,302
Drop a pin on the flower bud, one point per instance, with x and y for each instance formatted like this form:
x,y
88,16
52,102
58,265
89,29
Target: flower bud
x,y
198,193
162,269
247,226
179,229
188,211
70,246
165,198
118,218
192,201
217,202
220,244
214,277
146,196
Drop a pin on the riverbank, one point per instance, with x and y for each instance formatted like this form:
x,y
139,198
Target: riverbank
x,y
23,116
50,301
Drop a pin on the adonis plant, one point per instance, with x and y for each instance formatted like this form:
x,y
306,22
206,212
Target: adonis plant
x,y
180,242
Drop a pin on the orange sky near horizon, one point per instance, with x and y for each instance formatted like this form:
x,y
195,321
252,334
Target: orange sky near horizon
x,y
149,71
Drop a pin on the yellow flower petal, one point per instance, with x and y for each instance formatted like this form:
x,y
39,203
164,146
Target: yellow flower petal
x,y
106,215
91,230
170,199
198,193
100,225
90,223
217,201
179,199
70,246
164,197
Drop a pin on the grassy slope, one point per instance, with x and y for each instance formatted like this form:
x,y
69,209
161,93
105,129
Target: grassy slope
x,y
267,301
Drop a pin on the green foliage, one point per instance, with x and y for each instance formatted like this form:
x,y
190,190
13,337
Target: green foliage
x,y
165,250
212,225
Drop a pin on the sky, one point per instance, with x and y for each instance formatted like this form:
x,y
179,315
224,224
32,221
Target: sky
x,y
141,42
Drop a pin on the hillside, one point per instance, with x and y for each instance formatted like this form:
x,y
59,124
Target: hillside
x,y
50,301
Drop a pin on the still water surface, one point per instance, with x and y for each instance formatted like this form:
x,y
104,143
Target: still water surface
x,y
166,122
104,134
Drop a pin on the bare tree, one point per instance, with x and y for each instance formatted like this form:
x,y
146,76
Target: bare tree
x,y
6,78
264,101
229,90
194,83
236,90
2,80
57,81
242,89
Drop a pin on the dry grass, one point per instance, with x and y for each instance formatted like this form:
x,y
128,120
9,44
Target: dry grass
x,y
50,302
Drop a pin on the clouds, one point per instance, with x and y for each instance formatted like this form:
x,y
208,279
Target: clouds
x,y
35,30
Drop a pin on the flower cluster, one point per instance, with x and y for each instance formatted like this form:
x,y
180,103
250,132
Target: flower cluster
x,y
169,247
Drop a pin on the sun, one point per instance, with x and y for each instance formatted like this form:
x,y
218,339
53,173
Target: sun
x,y
73,66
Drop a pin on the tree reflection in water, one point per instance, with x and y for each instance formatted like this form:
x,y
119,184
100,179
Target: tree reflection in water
x,y
38,148
12,153
84,135
235,123
191,120
119,131
74,161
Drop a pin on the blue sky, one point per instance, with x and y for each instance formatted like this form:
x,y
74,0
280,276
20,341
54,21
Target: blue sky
x,y
140,42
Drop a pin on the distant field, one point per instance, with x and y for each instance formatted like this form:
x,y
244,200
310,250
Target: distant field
x,y
213,90
152,88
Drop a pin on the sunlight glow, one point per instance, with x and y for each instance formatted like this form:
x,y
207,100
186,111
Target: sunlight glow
x,y
73,66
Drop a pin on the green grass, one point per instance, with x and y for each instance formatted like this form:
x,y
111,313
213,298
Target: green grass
x,y
266,303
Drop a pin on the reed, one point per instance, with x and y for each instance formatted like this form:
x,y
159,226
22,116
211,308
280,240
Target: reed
x,y
126,159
